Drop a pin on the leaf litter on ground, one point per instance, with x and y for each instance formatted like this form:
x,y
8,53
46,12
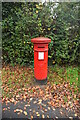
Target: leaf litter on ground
x,y
58,95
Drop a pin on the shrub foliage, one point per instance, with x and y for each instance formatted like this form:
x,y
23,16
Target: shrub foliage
x,y
23,21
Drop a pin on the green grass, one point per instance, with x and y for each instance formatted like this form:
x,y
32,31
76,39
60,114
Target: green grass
x,y
72,74
65,99
59,74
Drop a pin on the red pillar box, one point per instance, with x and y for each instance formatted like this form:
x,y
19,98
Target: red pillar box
x,y
40,58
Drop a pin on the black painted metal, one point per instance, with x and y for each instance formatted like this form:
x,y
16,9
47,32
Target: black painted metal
x,y
41,82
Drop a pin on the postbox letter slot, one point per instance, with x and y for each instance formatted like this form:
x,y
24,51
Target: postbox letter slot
x,y
41,47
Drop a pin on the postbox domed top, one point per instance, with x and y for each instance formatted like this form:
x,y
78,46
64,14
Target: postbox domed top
x,y
40,40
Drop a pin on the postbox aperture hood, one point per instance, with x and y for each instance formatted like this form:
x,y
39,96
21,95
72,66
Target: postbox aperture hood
x,y
40,40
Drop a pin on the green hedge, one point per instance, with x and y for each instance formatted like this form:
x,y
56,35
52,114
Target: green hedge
x,y
23,21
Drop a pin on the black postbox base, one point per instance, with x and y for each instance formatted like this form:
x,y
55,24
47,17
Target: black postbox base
x,y
41,82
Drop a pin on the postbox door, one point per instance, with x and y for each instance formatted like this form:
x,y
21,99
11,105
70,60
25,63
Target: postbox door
x,y
40,64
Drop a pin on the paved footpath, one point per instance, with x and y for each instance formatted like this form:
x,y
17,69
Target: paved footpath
x,y
35,109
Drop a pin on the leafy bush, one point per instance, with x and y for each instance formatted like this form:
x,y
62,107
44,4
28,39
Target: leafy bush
x,y
23,21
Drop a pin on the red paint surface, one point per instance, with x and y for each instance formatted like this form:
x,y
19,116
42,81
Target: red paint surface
x,y
40,66
40,40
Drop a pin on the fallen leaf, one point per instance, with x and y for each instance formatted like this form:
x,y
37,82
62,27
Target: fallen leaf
x,y
47,116
30,110
56,117
53,109
42,111
17,96
18,113
71,118
31,117
4,109
25,112
69,97
31,99
39,103
12,100
33,111
45,110
17,110
24,108
9,108
75,114
14,110
54,87
35,102
24,98
48,108
21,111
27,105
38,115
43,116
40,100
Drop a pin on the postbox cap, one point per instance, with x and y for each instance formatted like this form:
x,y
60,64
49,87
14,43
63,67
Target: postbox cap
x,y
40,40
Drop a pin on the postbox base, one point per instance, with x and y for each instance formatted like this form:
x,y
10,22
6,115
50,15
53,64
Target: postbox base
x,y
41,82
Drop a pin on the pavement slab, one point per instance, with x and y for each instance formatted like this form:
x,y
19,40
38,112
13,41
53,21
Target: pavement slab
x,y
34,108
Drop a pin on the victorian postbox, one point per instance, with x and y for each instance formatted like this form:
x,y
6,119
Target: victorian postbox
x,y
40,57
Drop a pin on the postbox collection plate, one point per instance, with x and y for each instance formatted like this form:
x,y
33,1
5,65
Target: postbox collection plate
x,y
40,55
